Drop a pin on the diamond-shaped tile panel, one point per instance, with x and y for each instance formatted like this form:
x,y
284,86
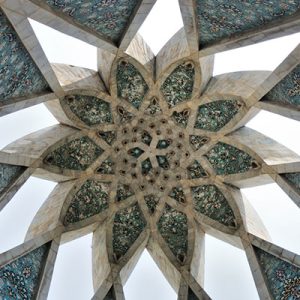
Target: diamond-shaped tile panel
x,y
20,279
123,192
128,225
163,162
109,18
146,166
215,115
178,87
227,159
90,110
146,138
136,152
282,278
209,201
8,175
218,19
293,179
287,91
198,141
78,154
131,85
91,199
163,144
19,75
173,227
108,136
195,170
177,194
151,201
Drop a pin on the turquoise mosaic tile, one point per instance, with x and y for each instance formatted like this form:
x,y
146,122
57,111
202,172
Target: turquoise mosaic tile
x,y
218,19
287,91
153,108
123,192
108,136
163,144
146,138
178,87
215,115
136,152
227,159
131,85
107,167
282,278
151,202
181,118
146,166
197,141
78,154
20,279
128,225
124,115
19,75
106,17
8,175
209,201
173,227
163,162
90,110
91,199
195,170
177,194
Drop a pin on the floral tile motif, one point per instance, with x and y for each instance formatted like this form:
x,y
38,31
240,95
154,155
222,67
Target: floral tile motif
x,y
197,141
178,87
153,108
107,167
146,166
222,19
227,160
90,110
177,194
108,136
131,85
151,201
91,199
19,75
293,178
181,118
195,170
123,192
106,17
173,227
21,278
78,154
8,175
128,225
209,201
283,278
215,115
287,91
124,115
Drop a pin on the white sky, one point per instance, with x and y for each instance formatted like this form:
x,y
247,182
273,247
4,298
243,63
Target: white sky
x,y
72,275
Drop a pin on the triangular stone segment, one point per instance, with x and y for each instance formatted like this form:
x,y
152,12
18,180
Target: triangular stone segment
x,y
195,170
131,85
282,278
173,227
191,295
78,154
209,201
227,159
21,278
215,115
91,199
239,17
181,118
107,167
111,294
197,141
8,175
287,91
178,87
293,179
128,225
124,115
152,202
90,110
153,109
124,191
108,136
108,18
19,75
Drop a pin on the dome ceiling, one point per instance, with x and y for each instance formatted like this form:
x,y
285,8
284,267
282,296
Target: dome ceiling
x,y
151,151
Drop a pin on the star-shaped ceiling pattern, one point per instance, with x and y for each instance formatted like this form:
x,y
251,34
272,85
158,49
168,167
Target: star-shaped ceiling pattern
x,y
151,151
